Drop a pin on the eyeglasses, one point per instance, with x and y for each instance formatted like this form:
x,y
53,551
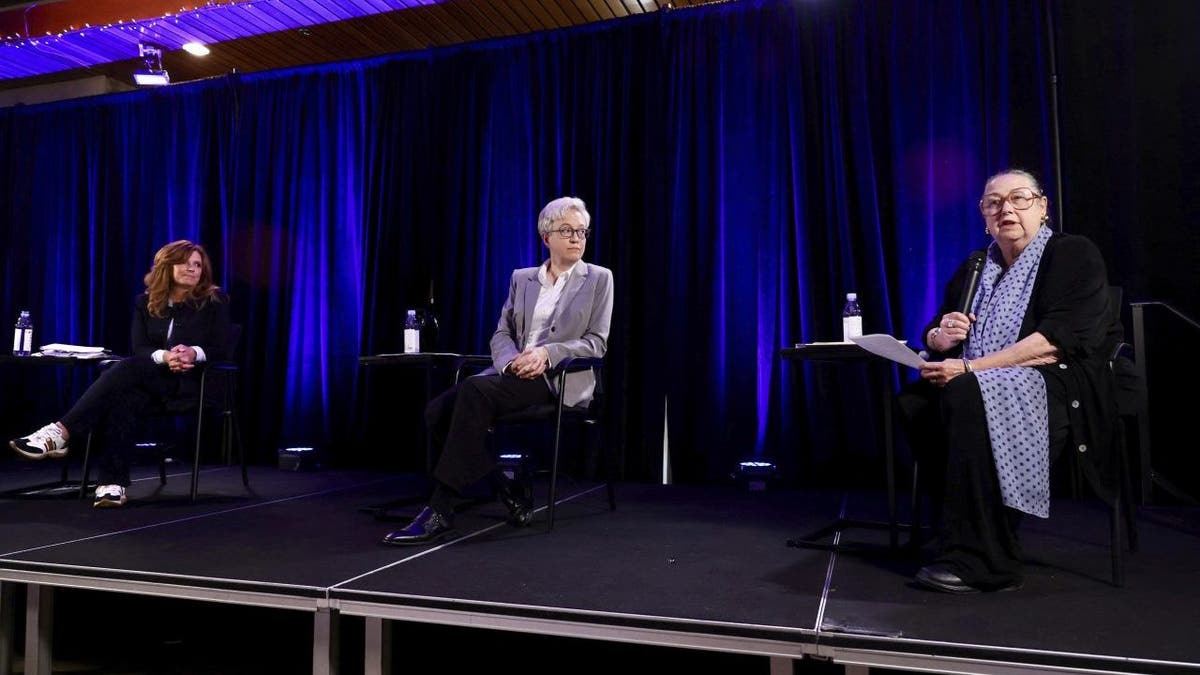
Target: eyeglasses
x,y
1020,198
568,233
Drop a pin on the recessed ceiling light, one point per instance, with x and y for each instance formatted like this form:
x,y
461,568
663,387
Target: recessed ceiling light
x,y
195,48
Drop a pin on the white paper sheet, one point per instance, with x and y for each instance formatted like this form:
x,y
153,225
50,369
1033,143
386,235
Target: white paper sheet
x,y
889,347
71,349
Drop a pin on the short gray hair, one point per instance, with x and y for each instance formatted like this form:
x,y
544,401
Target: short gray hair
x,y
558,208
1015,172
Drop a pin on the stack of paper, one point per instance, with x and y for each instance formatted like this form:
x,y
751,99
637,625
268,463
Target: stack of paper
x,y
75,351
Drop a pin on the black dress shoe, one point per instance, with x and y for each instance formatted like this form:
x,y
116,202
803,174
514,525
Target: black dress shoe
x,y
428,526
520,509
940,578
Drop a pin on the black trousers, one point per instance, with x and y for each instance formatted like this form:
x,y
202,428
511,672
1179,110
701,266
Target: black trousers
x,y
115,406
947,429
458,421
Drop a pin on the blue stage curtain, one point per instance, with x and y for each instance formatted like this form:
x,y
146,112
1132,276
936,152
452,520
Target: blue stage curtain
x,y
745,164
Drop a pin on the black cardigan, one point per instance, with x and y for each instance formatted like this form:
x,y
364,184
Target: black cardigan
x,y
1072,308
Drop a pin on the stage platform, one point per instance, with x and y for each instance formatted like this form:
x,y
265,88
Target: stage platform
x,y
674,567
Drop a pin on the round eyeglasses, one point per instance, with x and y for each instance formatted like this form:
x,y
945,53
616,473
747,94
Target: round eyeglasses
x,y
1020,198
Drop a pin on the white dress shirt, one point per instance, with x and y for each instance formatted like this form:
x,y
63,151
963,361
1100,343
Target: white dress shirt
x,y
548,295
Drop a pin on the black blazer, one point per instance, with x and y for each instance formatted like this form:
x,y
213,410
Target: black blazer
x,y
206,327
1071,307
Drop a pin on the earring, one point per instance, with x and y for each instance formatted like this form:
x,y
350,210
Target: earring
x,y
1045,218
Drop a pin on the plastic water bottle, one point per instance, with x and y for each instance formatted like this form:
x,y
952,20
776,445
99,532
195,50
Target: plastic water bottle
x,y
412,333
851,318
23,335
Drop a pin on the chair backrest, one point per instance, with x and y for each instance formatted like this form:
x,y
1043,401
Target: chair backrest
x,y
1129,385
234,337
220,386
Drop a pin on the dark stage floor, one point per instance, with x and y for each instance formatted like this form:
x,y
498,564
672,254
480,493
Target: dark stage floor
x,y
700,575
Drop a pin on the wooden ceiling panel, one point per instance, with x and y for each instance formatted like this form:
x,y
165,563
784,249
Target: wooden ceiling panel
x,y
554,16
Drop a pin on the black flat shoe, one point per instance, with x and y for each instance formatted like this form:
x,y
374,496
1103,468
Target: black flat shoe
x,y
428,526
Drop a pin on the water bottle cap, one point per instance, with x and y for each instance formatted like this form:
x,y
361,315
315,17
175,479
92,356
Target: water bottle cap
x,y
852,296
412,312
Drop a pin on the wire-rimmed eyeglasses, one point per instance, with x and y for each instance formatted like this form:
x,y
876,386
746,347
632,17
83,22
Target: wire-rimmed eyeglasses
x,y
1020,198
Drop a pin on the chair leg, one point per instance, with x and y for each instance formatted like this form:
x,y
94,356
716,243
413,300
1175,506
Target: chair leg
x,y
609,467
87,456
914,529
196,455
1118,550
553,497
1117,515
1126,486
235,437
226,438
1130,525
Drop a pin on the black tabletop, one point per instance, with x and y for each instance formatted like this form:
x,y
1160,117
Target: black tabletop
x,y
828,351
421,359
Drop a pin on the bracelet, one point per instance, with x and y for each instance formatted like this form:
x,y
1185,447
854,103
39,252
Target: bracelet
x,y
967,366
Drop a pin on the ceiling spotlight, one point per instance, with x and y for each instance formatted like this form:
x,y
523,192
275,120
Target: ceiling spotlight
x,y
195,48
151,78
153,74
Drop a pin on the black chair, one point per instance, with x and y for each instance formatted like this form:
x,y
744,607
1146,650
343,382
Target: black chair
x,y
560,415
218,390
1119,495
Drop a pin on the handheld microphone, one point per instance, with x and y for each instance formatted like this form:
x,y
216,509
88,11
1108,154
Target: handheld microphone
x,y
974,269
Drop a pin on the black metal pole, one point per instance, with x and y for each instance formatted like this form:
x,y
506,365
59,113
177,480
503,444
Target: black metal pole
x,y
1055,138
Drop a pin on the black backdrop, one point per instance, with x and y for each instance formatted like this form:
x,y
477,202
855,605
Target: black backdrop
x,y
1130,120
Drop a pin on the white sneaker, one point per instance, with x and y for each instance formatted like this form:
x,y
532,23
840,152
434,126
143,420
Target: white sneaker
x,y
45,442
109,496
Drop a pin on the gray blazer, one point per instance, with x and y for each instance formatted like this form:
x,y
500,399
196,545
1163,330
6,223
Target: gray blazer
x,y
578,326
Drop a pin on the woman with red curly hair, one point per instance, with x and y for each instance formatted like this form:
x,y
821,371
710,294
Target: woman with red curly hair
x,y
181,319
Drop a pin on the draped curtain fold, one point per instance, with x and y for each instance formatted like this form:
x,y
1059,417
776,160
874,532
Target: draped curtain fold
x,y
745,164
